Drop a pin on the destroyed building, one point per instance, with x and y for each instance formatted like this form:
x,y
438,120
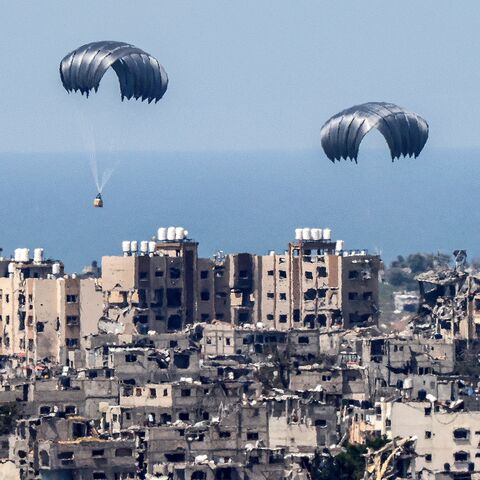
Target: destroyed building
x,y
164,365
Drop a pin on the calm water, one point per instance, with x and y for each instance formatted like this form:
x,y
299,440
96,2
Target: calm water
x,y
248,201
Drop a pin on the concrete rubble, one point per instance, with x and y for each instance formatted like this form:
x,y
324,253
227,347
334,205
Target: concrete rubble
x,y
165,365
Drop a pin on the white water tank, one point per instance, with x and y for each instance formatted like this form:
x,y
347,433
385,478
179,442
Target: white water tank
x,y
340,246
171,233
316,234
56,269
22,254
306,234
11,269
38,255
327,234
185,234
298,233
179,233
144,247
126,247
134,246
151,246
162,234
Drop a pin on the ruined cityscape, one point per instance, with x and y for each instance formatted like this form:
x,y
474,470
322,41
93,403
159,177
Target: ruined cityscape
x,y
163,365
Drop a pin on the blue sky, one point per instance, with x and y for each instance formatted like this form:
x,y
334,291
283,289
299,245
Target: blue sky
x,y
243,75
256,78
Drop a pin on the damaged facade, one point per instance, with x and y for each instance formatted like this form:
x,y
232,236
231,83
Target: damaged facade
x,y
174,367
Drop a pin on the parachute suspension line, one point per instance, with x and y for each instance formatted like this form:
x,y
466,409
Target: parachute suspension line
x,y
90,146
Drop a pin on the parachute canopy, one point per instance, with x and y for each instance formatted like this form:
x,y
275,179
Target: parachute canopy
x,y
405,132
140,75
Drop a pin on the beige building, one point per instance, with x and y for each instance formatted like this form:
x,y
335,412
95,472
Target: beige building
x,y
447,441
40,311
315,284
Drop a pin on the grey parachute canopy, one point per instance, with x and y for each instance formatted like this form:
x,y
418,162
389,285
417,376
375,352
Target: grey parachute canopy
x,y
405,132
140,75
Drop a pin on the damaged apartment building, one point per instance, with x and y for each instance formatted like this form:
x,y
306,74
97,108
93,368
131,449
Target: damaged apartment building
x,y
164,365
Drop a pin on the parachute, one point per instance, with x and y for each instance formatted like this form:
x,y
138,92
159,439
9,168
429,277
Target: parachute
x,y
140,75
405,132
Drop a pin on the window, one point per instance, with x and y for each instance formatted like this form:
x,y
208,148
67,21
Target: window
x,y
70,409
282,318
128,416
228,340
40,327
184,416
130,358
352,295
252,435
123,452
224,435
204,274
71,342
72,320
270,273
205,296
461,456
321,272
65,456
428,457
283,296
270,316
303,340
428,434
174,297
204,317
71,299
270,295
296,315
282,274
153,393
165,392
243,274
353,274
309,275
367,295
320,422
159,273
185,392
174,273
143,275
45,410
98,453
461,434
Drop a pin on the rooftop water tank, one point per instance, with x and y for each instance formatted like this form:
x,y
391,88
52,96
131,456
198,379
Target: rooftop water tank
x,y
340,246
144,246
185,234
179,233
162,234
298,233
327,234
171,233
306,234
316,234
38,255
11,268
134,246
126,246
151,246
56,269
